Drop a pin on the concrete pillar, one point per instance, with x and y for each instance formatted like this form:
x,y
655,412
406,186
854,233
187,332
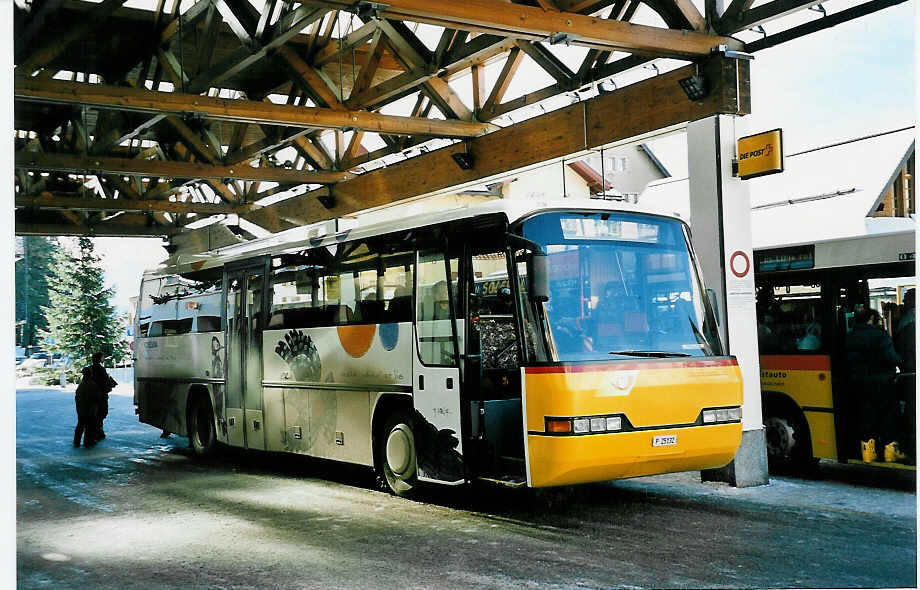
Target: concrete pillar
x,y
7,312
720,219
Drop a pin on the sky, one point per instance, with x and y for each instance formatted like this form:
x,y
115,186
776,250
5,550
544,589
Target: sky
x,y
855,79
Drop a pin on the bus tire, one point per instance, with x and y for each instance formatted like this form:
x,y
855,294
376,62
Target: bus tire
x,y
201,434
788,443
396,454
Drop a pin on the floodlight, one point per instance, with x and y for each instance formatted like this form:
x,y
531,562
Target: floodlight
x,y
464,160
693,86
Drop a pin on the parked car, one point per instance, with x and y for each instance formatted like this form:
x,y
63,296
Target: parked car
x,y
35,361
59,361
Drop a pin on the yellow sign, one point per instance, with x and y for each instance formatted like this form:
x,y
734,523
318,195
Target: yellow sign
x,y
761,154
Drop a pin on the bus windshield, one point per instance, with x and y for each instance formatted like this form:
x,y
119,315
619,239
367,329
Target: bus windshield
x,y
622,285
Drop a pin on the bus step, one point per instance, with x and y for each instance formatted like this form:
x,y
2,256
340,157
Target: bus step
x,y
883,464
509,481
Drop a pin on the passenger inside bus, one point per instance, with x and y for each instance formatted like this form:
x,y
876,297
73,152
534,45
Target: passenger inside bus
x,y
905,345
616,313
905,333
872,363
440,301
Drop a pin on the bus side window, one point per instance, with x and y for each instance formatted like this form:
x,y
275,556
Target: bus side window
x,y
494,309
435,335
789,319
208,323
397,291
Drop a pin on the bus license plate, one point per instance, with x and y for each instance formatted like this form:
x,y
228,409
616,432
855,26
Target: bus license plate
x,y
664,441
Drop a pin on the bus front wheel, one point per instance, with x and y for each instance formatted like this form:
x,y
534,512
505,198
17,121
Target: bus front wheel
x,y
396,454
201,434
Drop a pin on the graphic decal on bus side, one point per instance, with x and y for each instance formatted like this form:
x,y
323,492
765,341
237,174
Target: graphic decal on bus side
x,y
437,451
300,354
389,336
357,340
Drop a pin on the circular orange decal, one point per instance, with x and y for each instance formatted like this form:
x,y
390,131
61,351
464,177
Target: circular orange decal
x,y
357,340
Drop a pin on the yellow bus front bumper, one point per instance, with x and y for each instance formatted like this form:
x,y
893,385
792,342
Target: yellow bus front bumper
x,y
565,460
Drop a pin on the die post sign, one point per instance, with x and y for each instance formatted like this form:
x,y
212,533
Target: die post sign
x,y
761,154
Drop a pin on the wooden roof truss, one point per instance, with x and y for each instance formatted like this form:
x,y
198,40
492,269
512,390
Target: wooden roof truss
x,y
139,122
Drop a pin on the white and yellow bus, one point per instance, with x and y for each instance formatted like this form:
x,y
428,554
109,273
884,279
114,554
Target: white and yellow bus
x,y
806,298
404,346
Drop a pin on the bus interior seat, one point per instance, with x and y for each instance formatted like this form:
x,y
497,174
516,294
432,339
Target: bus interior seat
x,y
276,322
337,314
369,311
302,317
399,309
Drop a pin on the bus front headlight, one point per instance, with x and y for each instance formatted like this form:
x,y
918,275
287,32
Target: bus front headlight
x,y
722,415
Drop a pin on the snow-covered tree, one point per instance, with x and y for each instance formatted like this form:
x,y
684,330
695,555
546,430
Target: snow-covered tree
x,y
32,274
81,318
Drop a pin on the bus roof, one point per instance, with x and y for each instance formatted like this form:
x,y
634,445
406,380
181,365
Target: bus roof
x,y
318,235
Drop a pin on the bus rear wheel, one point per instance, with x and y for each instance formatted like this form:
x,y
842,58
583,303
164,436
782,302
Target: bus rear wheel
x,y
788,445
201,435
396,454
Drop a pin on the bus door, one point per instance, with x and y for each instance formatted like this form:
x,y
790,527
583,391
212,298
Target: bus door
x,y
436,372
245,293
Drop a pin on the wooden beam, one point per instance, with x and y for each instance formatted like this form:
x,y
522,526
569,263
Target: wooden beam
x,y
551,64
761,14
344,46
534,24
204,150
102,230
691,13
366,76
440,92
315,151
642,107
732,14
478,74
37,16
582,6
221,109
170,169
504,79
58,45
50,202
311,79
820,24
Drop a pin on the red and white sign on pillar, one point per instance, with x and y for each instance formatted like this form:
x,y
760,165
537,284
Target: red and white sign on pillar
x,y
739,263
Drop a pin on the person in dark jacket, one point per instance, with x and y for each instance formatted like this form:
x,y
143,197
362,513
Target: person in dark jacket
x,y
905,344
872,363
87,402
105,384
905,334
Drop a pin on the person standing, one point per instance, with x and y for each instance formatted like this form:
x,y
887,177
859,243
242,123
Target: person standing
x,y
87,402
872,363
105,384
905,344
906,332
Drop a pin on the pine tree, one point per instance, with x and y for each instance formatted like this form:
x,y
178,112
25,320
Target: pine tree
x,y
32,273
81,318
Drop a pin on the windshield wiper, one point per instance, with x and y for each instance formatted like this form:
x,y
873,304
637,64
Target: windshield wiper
x,y
649,353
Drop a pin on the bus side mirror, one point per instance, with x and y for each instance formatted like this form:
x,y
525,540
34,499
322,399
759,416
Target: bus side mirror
x,y
714,301
539,276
